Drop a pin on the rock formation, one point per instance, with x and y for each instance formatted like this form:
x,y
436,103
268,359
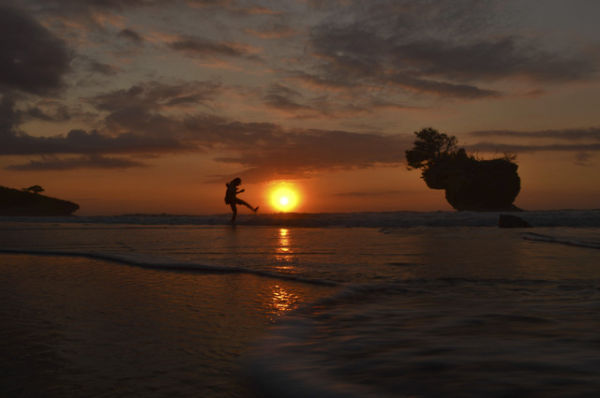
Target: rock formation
x,y
470,183
511,221
22,203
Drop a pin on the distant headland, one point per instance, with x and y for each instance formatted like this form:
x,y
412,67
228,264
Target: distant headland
x,y
470,183
29,202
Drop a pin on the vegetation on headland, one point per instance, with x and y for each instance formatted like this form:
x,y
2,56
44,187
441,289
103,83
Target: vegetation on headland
x,y
470,183
28,202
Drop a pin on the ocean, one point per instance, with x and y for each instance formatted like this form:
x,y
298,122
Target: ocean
x,y
392,304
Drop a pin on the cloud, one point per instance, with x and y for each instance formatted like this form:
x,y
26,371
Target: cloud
x,y
83,142
144,107
297,153
267,148
9,116
49,111
131,35
142,120
591,133
490,59
146,119
155,96
199,47
83,162
287,99
445,48
235,7
101,68
518,148
580,140
32,59
293,104
276,31
87,7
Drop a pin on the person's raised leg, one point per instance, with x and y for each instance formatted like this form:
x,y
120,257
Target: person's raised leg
x,y
244,203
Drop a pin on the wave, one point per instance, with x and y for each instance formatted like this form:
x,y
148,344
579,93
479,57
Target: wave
x,y
472,337
569,241
385,220
169,265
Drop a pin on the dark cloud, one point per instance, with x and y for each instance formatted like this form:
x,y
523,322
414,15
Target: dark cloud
x,y
101,68
71,7
199,47
444,48
83,162
141,107
132,35
138,121
154,96
295,105
580,141
32,59
83,142
267,148
9,116
517,148
49,111
302,152
275,31
592,133
490,59
285,98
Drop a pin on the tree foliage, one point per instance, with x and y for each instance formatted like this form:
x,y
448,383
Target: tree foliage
x,y
34,189
430,146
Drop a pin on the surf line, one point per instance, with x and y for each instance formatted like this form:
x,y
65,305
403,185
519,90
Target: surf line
x,y
551,239
175,266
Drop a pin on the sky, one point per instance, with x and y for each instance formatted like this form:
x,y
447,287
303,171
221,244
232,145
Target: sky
x,y
151,106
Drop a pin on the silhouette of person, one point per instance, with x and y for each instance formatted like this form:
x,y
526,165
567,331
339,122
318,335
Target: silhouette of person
x,y
232,200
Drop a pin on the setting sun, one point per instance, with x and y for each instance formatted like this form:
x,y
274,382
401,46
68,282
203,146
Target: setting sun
x,y
284,197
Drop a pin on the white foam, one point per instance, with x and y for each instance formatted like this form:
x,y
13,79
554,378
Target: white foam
x,y
569,241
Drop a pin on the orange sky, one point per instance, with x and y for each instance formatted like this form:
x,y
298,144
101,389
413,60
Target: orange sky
x,y
150,107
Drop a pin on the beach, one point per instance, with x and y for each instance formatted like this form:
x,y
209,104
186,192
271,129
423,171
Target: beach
x,y
116,309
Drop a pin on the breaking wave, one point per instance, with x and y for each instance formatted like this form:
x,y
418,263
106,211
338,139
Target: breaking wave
x,y
169,265
563,240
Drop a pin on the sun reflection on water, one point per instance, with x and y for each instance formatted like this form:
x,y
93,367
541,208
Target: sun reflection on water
x,y
282,300
284,252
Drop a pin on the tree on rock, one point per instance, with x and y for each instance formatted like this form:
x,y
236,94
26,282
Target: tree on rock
x,y
470,184
34,189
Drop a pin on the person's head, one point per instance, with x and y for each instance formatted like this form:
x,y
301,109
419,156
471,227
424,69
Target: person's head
x,y
236,181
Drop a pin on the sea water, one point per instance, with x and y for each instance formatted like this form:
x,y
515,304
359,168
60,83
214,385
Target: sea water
x,y
371,304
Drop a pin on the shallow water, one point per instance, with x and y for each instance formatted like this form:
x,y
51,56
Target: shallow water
x,y
74,327
343,255
454,337
394,310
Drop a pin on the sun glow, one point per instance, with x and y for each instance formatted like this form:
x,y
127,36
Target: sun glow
x,y
284,197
